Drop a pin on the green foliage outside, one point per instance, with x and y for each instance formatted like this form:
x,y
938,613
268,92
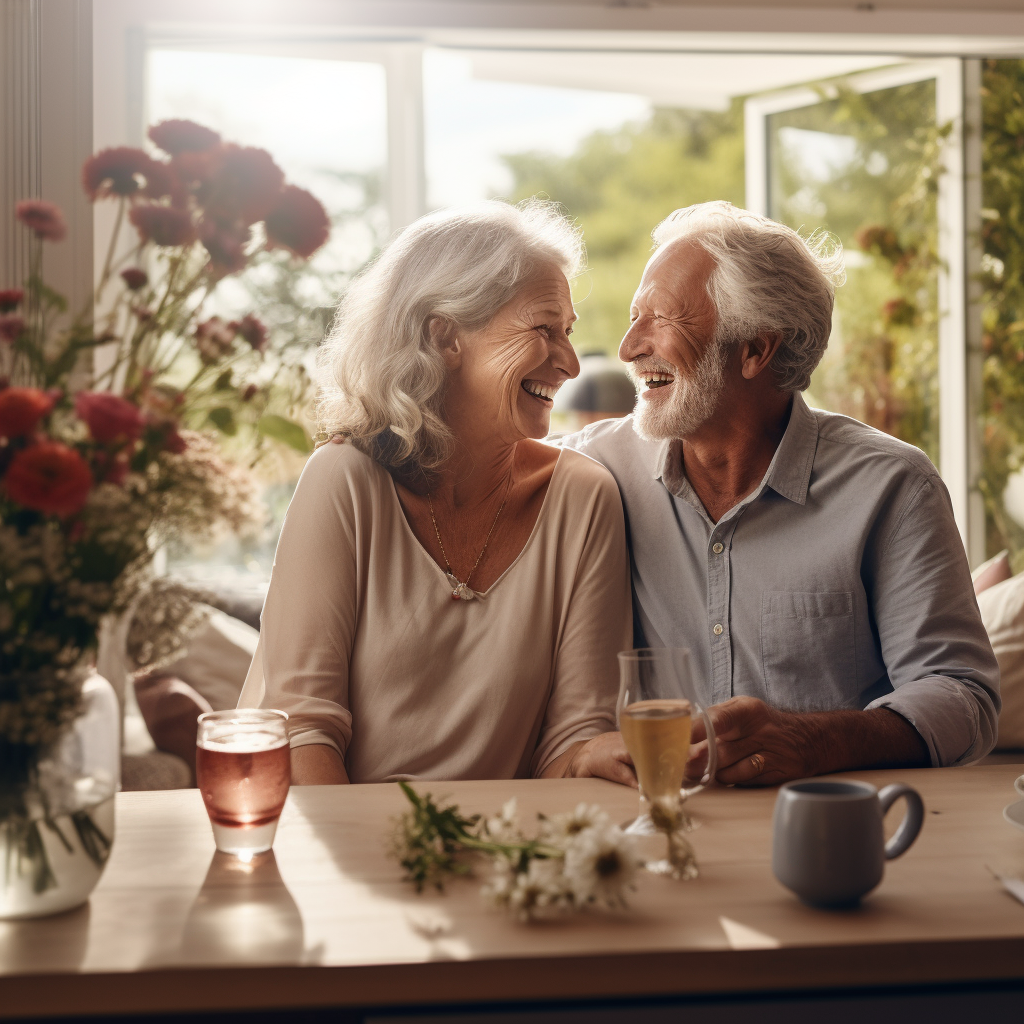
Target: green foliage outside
x,y
619,185
880,200
1002,282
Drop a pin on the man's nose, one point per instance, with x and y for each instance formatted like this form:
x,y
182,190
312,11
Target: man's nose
x,y
635,343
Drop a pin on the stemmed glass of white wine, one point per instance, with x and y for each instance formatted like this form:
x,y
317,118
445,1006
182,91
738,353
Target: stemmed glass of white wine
x,y
657,703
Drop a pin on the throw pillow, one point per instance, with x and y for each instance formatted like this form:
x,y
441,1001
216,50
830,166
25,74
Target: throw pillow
x,y
1002,611
995,570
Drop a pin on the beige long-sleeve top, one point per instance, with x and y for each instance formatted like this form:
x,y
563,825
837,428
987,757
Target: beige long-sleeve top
x,y
363,646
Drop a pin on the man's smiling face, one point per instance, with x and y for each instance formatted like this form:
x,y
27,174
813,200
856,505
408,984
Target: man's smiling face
x,y
670,346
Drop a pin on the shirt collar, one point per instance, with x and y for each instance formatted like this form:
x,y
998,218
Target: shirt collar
x,y
789,473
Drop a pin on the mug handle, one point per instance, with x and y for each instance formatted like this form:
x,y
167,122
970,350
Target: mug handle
x,y
712,768
1018,784
912,821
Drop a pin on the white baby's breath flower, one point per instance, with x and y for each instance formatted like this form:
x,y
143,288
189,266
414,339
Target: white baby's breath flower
x,y
600,866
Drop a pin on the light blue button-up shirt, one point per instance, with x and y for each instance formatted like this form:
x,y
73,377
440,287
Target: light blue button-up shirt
x,y
840,582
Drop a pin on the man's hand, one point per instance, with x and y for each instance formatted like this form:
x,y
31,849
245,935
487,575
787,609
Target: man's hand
x,y
603,757
761,746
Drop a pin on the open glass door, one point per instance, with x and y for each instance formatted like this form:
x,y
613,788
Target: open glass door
x,y
876,160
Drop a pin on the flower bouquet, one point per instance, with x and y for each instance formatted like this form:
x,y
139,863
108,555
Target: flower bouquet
x,y
576,861
108,448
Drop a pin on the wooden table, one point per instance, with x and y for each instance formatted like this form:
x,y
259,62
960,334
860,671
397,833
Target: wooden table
x,y
327,920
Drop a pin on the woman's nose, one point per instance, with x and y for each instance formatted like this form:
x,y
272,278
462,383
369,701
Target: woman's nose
x,y
564,358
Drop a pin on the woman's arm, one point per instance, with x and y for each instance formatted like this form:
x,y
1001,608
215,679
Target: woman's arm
x,y
307,628
316,764
578,737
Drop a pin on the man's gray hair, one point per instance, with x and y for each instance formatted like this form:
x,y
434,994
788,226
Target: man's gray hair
x,y
381,378
766,278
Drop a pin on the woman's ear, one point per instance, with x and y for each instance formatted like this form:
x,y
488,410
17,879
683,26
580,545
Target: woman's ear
x,y
445,337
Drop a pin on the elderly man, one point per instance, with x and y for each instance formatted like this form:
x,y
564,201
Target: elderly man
x,y
810,562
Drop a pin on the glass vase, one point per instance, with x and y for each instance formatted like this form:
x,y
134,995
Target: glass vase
x,y
57,822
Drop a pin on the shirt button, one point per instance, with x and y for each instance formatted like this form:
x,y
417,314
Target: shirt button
x,y
718,629
718,548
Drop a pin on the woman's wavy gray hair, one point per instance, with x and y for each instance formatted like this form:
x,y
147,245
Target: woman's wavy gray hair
x,y
381,378
766,278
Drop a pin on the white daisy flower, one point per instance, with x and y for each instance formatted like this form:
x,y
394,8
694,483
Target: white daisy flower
x,y
600,866
538,890
504,827
562,828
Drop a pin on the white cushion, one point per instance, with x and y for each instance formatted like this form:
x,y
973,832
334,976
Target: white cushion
x,y
1002,611
218,658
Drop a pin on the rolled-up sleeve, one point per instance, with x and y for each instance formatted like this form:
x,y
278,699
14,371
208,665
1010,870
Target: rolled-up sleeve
x,y
301,665
597,624
937,653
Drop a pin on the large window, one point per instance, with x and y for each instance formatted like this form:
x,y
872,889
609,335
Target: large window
x,y
386,125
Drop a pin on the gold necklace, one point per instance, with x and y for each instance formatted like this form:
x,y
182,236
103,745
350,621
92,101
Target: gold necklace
x,y
460,588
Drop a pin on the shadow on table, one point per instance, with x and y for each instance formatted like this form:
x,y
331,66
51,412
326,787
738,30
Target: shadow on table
x,y
244,913
60,941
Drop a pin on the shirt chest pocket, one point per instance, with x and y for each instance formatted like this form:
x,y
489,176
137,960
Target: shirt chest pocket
x,y
808,650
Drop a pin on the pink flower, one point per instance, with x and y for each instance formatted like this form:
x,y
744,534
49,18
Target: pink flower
x,y
214,339
253,330
180,136
111,419
10,299
123,171
21,409
244,186
49,477
134,277
11,325
164,225
44,218
298,222
226,246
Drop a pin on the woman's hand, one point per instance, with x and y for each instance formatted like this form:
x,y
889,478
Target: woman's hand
x,y
603,757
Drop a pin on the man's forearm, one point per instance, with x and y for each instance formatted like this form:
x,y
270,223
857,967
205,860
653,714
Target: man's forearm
x,y
877,738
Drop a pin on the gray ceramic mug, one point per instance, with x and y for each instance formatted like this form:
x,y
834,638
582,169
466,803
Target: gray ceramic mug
x,y
828,844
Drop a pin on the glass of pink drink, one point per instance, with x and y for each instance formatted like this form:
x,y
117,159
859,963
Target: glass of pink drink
x,y
243,770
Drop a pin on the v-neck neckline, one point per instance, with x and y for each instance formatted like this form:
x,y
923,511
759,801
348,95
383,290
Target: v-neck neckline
x,y
515,561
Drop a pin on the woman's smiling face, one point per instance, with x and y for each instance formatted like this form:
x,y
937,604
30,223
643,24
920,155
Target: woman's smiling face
x,y
511,368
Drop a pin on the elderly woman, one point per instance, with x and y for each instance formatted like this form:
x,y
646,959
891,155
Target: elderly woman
x,y
449,593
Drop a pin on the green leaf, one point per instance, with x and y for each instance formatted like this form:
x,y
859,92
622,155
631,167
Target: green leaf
x,y
223,419
286,431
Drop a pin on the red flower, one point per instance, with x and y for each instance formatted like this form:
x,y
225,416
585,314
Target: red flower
x,y
162,431
298,222
179,136
245,185
214,339
111,420
253,330
49,477
11,325
10,298
164,225
113,468
123,171
21,409
134,277
226,246
174,442
44,218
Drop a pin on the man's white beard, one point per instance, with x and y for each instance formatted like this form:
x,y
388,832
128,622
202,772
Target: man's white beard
x,y
693,400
